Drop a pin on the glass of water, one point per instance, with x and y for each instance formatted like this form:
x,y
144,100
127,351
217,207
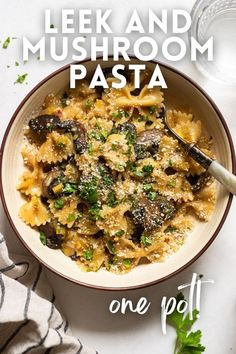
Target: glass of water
x,y
216,18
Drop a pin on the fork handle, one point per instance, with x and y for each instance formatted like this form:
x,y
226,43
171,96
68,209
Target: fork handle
x,y
220,173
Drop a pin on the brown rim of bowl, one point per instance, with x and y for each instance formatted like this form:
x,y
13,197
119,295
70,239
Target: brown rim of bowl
x,y
65,67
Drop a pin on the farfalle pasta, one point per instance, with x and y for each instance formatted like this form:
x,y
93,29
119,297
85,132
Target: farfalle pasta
x,y
106,183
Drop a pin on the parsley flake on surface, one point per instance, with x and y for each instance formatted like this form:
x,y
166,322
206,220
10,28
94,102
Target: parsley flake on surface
x,y
21,79
6,43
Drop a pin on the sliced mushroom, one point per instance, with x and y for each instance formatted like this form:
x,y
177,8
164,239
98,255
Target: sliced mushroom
x,y
170,171
52,179
127,128
198,181
53,240
78,132
152,214
44,124
147,143
74,257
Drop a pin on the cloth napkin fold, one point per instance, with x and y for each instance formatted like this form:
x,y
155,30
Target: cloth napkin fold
x,y
29,320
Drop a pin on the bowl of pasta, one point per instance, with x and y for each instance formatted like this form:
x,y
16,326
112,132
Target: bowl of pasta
x,y
97,189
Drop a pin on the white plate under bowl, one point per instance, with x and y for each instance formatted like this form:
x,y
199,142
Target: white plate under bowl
x,y
181,90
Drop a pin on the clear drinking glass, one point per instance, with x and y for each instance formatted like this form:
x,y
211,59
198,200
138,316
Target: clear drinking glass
x,y
216,18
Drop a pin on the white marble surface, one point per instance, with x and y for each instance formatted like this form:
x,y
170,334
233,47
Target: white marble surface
x,y
87,310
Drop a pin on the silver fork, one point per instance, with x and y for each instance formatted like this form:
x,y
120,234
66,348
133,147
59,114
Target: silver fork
x,y
226,178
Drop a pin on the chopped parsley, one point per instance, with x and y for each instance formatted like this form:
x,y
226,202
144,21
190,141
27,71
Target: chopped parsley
x,y
50,127
88,255
120,233
131,137
172,184
147,187
114,131
88,104
127,262
170,229
152,196
152,109
114,146
21,79
99,135
131,166
107,180
95,211
111,199
42,238
144,172
59,203
6,43
102,170
88,190
143,118
147,169
70,188
71,217
145,240
90,148
139,151
120,114
111,247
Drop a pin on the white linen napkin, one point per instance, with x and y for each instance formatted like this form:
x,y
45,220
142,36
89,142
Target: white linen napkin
x,y
29,320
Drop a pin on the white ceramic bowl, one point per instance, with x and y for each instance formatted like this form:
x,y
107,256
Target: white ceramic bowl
x,y
181,90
